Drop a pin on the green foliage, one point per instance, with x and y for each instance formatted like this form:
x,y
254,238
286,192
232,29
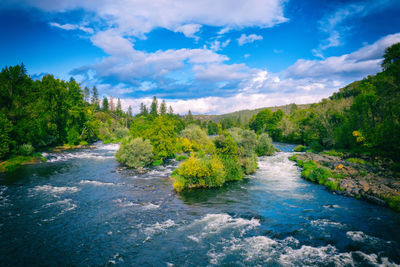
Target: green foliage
x,y
157,162
249,164
225,145
194,133
181,157
234,171
264,145
199,173
332,153
300,148
391,57
356,161
26,150
83,143
394,202
5,139
135,153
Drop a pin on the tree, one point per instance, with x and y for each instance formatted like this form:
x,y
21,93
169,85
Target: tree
x,y
154,107
391,56
105,105
189,116
111,103
119,107
86,92
95,95
170,111
163,108
135,153
5,139
129,111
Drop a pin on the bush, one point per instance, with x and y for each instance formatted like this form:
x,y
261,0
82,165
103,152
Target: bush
x,y
199,173
332,153
5,140
83,143
195,134
320,175
356,161
181,157
157,162
26,150
300,148
264,145
249,164
72,136
121,132
234,171
135,153
316,147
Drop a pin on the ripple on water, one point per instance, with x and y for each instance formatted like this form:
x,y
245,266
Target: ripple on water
x,y
53,190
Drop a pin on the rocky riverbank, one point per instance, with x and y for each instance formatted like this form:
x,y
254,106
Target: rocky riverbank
x,y
370,180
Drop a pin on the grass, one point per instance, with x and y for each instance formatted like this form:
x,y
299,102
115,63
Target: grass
x,y
356,161
157,162
332,153
16,161
181,157
299,148
394,203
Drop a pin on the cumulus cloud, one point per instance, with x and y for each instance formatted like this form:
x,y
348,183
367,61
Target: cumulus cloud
x,y
355,65
245,39
189,30
138,17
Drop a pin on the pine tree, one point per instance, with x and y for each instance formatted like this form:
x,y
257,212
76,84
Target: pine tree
x,y
105,104
163,108
154,107
112,105
145,111
142,108
86,92
170,111
119,107
189,116
129,111
95,95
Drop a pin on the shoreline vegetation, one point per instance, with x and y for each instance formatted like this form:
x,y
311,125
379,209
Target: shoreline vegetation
x,y
361,119
366,178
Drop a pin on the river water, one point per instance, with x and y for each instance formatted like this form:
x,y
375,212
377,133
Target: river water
x,y
82,208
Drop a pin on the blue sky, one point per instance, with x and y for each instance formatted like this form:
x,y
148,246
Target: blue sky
x,y
207,56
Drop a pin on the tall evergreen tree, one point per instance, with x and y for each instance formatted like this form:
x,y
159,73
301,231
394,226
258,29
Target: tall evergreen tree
x,y
95,95
105,105
119,107
163,108
154,107
86,92
170,111
111,103
189,116
129,111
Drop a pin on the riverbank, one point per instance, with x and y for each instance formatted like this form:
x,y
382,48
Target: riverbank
x,y
16,161
367,179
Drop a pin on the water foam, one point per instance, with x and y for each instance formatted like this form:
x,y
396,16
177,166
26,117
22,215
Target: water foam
x,y
4,201
66,205
65,156
54,190
158,228
96,183
326,222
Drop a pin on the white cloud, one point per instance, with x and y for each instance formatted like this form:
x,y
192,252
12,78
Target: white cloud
x,y
69,27
189,30
245,39
221,72
353,66
137,17
217,45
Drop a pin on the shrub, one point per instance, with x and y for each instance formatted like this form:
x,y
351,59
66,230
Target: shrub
x,y
181,157
157,162
26,150
356,161
316,147
199,173
319,175
195,134
135,153
394,202
234,171
300,148
83,143
249,164
225,145
264,145
332,153
121,132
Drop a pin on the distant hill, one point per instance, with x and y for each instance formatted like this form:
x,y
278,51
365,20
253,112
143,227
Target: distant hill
x,y
246,114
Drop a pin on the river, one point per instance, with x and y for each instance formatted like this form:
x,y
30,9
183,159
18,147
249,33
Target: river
x,y
82,208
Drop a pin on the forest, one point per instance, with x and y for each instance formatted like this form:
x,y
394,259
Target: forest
x,y
36,115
